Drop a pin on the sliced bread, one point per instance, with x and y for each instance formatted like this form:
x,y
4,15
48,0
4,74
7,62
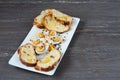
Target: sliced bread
x,y
49,61
60,21
61,17
51,24
38,20
27,55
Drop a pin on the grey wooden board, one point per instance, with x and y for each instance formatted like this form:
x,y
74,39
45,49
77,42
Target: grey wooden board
x,y
94,52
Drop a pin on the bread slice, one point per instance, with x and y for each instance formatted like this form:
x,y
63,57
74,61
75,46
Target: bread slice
x,y
49,61
52,24
27,55
39,18
61,17
61,21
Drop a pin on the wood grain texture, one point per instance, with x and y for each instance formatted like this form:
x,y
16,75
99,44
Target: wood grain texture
x,y
94,52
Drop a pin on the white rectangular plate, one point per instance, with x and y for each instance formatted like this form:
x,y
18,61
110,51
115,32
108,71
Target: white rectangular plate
x,y
14,61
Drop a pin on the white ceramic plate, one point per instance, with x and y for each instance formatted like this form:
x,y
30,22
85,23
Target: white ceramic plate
x,y
14,61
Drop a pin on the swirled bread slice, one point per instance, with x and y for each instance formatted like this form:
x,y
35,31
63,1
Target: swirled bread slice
x,y
38,21
60,21
61,17
27,55
49,61
52,24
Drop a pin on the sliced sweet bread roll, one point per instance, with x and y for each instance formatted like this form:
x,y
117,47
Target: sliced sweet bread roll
x,y
62,17
27,54
52,24
38,21
58,19
49,61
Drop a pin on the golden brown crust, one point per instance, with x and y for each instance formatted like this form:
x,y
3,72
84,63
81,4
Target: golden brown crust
x,y
44,69
50,67
47,25
38,24
60,17
19,51
64,22
22,60
27,64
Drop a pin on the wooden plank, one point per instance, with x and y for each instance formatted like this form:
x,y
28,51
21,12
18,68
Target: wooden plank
x,y
93,53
